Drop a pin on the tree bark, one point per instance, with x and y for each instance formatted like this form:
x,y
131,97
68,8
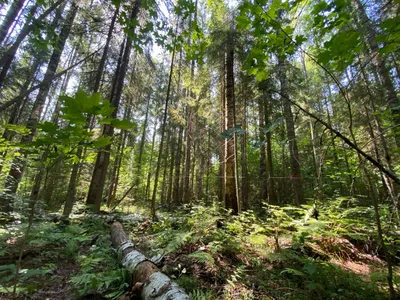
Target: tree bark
x,y
163,125
295,176
272,197
231,201
17,167
10,17
387,83
144,273
8,56
263,165
103,157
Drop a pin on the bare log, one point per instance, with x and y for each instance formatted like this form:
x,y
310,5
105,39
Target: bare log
x,y
145,274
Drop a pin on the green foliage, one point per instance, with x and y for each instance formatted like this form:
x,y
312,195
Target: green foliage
x,y
198,294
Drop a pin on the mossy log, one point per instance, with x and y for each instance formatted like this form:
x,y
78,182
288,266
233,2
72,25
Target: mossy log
x,y
145,275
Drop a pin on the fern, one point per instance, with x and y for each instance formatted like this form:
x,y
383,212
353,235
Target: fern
x,y
203,258
178,240
201,295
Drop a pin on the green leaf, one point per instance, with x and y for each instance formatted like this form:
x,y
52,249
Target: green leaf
x,y
102,142
48,127
273,125
122,124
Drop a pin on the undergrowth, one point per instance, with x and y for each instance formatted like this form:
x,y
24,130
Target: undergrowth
x,y
281,254
78,256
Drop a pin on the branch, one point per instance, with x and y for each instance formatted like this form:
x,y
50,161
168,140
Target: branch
x,y
379,166
35,87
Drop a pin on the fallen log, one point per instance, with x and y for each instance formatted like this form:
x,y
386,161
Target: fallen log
x,y
146,278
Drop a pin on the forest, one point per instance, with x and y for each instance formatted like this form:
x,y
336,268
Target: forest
x,y
199,149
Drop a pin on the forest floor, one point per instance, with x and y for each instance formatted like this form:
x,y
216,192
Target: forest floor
x,y
281,255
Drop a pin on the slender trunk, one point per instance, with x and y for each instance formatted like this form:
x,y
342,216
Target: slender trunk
x,y
263,166
10,17
222,162
147,192
186,173
272,197
291,134
171,169
388,86
163,124
136,181
208,167
112,191
8,56
177,196
245,184
103,157
103,59
231,201
164,180
17,167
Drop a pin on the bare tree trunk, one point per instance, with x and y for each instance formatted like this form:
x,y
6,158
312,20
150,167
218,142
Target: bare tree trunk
x,y
222,162
164,179
293,150
272,198
388,86
245,183
177,196
17,167
103,157
208,166
263,166
8,56
147,192
231,201
163,125
136,181
171,169
10,17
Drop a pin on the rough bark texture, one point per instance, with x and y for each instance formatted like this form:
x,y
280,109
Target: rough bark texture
x,y
103,157
156,285
295,176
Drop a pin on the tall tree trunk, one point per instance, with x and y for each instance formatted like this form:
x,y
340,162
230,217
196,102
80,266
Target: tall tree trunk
x,y
177,195
186,172
165,167
10,17
7,58
43,93
245,184
171,169
263,166
388,86
163,125
295,176
17,167
103,157
222,162
209,154
153,139
272,197
231,201
136,181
